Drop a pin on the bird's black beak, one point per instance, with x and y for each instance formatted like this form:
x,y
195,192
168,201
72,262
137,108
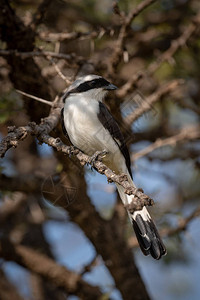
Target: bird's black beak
x,y
110,86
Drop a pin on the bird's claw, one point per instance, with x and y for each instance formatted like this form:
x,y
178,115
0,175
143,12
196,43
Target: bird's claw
x,y
73,150
98,155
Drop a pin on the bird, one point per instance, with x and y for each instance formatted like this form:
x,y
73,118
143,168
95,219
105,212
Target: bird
x,y
91,128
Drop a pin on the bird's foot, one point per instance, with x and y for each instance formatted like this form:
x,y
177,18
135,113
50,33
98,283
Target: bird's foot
x,y
98,155
72,151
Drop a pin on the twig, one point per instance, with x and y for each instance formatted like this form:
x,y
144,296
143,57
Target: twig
x,y
149,101
68,57
165,56
63,36
59,71
40,13
118,12
182,224
12,139
15,135
36,98
186,134
123,32
175,45
89,266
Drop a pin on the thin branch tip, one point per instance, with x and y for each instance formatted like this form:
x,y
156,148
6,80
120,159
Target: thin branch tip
x,y
36,98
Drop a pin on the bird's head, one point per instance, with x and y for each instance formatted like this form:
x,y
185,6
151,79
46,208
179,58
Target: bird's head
x,y
90,87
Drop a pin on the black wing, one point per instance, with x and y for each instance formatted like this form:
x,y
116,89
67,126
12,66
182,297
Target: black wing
x,y
111,125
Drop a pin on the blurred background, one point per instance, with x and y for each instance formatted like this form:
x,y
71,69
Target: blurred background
x,y
50,203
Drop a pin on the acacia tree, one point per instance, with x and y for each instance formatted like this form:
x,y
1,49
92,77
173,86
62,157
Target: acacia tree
x,y
149,51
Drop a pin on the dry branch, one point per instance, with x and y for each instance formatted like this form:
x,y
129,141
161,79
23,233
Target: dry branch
x,y
140,199
186,134
123,33
40,264
19,134
164,57
183,223
36,98
63,36
68,57
149,101
42,133
40,13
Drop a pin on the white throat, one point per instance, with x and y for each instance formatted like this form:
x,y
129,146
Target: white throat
x,y
91,95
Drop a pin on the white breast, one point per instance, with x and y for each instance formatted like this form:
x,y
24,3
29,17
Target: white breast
x,y
84,128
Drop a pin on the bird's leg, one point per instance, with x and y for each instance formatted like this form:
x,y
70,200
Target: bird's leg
x,y
98,155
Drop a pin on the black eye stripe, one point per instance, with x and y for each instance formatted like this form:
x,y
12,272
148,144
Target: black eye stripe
x,y
91,84
88,85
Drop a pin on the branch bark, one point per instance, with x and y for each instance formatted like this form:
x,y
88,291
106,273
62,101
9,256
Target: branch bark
x,y
40,264
41,131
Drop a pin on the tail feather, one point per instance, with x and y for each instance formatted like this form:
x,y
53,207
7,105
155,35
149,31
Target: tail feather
x,y
144,227
147,234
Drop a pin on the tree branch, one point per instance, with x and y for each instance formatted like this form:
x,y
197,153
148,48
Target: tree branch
x,y
165,56
186,134
149,101
41,132
68,57
36,98
40,13
123,33
19,134
40,264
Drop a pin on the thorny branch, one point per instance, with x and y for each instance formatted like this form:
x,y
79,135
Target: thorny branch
x,y
42,133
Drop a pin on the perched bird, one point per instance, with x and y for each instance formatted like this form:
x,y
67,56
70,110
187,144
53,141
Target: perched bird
x,y
90,127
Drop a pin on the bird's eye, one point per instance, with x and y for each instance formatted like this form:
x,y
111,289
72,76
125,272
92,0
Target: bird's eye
x,y
92,83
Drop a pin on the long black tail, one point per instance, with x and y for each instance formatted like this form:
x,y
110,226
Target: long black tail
x,y
147,234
